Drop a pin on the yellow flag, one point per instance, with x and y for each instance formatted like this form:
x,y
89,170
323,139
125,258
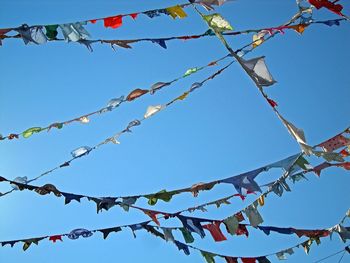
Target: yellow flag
x,y
261,200
299,28
258,39
176,11
183,96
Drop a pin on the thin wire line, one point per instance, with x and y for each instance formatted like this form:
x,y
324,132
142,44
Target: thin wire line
x,y
332,255
342,257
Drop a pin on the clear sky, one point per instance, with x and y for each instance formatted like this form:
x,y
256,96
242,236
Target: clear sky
x,y
223,129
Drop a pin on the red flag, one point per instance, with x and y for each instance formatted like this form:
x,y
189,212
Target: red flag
x,y
113,21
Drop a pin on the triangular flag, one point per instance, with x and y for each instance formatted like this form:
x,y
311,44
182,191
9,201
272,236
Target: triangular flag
x,y
258,70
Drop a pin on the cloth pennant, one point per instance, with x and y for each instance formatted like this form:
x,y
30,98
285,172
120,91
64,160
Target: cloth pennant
x,y
335,8
176,11
113,21
258,70
214,229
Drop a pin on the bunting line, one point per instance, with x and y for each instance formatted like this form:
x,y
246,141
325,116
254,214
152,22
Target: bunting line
x,y
164,195
258,71
136,93
151,110
82,151
105,203
232,223
116,102
209,257
154,12
314,235
113,104
75,31
281,255
162,42
294,167
111,21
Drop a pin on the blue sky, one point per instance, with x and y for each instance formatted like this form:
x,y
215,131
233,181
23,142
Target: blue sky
x,y
223,129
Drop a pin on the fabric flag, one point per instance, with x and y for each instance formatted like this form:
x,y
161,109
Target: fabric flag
x,y
195,85
317,169
51,31
329,156
81,151
176,11
157,86
209,257
261,200
190,71
297,177
242,230
28,242
162,195
258,39
207,4
107,231
298,135
47,189
152,215
183,96
217,22
154,13
263,260
153,231
151,110
335,22
286,164
69,197
193,224
120,43
299,28
335,8
245,181
279,186
21,180
282,254
187,235
74,31
114,103
160,42
258,70
135,94
132,124
127,201
311,233
113,21
334,143
307,245
231,259
280,230
3,31
344,232
183,247
32,34
253,214
215,231
55,238
168,235
80,232
136,227
84,120
248,260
